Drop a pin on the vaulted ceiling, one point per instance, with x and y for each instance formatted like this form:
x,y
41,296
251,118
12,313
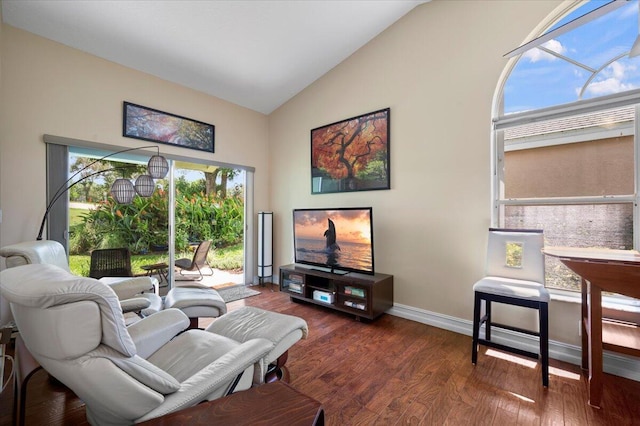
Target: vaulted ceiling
x,y
257,54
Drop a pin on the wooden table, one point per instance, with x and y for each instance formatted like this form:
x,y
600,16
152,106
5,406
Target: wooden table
x,y
269,405
161,269
616,271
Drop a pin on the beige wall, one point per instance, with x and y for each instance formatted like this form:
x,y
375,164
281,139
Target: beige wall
x,y
48,88
437,69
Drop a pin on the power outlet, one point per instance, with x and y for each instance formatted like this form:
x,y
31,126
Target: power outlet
x,y
580,328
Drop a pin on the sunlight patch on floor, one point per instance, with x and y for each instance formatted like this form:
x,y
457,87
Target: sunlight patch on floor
x,y
564,373
512,358
522,398
555,371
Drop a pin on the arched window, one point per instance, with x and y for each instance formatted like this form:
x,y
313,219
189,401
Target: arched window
x,y
565,150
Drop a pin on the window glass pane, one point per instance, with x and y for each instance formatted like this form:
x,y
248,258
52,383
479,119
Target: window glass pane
x,y
209,205
586,155
619,76
594,53
594,168
592,225
536,85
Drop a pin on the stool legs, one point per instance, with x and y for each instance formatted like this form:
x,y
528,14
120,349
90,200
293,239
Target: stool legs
x,y
487,319
476,328
544,342
542,334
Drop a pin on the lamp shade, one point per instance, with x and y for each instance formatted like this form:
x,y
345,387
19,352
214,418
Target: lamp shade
x,y
123,191
158,167
145,186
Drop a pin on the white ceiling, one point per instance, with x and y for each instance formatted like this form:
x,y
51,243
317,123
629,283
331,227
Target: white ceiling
x,y
257,54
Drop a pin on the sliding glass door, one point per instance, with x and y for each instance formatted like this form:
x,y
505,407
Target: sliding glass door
x,y
198,202
209,203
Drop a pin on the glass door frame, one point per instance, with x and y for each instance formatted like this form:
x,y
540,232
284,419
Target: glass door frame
x,y
53,166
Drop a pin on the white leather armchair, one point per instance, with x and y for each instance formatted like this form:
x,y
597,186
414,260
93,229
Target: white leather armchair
x,y
74,327
134,293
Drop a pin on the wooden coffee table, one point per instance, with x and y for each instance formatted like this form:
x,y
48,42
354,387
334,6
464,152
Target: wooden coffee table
x,y
270,404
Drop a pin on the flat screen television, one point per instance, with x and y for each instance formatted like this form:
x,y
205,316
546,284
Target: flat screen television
x,y
340,239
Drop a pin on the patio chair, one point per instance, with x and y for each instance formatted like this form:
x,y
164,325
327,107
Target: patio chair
x,y
113,262
198,262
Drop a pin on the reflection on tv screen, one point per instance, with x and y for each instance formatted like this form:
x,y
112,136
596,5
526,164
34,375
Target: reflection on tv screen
x,y
339,239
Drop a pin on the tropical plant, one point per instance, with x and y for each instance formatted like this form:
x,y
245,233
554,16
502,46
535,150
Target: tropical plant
x,y
143,225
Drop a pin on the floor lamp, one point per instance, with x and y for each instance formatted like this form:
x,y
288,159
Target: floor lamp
x,y
265,246
122,190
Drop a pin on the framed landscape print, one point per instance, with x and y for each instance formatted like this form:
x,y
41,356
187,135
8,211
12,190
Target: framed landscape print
x,y
149,124
351,155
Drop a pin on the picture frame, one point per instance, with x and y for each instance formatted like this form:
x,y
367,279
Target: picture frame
x,y
352,154
140,122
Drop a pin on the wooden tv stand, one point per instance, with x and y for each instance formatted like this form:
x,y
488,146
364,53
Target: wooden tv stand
x,y
365,296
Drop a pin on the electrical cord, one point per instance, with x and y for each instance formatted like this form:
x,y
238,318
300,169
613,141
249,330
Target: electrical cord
x,y
10,378
5,338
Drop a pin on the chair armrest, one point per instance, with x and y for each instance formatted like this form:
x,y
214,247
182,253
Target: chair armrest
x,y
126,288
218,374
28,252
135,304
151,333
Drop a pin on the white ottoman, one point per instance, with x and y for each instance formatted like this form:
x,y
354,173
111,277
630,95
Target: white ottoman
x,y
196,302
249,323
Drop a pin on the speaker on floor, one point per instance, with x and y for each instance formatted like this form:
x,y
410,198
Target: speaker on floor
x,y
265,246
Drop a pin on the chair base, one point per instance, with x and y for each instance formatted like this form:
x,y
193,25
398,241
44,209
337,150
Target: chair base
x,y
543,334
200,274
277,371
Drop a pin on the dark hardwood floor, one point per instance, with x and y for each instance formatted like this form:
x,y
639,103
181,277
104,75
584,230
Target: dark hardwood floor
x,y
394,371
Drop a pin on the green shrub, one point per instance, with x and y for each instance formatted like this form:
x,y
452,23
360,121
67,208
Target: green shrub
x,y
142,226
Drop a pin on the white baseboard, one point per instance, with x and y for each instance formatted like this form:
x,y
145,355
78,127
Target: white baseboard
x,y
613,363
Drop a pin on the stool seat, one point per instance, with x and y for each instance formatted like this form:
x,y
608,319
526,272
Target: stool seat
x,y
249,323
521,289
196,302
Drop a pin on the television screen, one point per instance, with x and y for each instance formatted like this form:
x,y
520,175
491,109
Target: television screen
x,y
340,239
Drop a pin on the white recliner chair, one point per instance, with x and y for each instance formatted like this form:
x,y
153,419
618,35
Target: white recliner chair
x,y
241,325
136,294
74,327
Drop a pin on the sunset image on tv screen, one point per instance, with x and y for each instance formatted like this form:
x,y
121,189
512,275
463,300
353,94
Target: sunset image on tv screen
x,y
335,238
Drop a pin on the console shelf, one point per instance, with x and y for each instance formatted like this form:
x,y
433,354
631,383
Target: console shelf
x,y
365,296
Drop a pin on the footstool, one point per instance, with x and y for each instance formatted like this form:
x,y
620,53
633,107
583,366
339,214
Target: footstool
x,y
282,330
196,302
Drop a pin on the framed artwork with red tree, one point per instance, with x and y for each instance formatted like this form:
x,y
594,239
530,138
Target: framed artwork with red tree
x,y
351,155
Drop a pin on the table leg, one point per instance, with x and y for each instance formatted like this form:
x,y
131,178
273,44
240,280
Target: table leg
x,y
595,345
583,326
26,366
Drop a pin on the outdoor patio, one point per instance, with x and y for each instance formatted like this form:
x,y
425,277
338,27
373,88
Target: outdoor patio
x,y
219,279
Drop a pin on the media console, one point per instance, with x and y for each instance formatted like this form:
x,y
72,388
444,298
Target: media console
x,y
366,296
